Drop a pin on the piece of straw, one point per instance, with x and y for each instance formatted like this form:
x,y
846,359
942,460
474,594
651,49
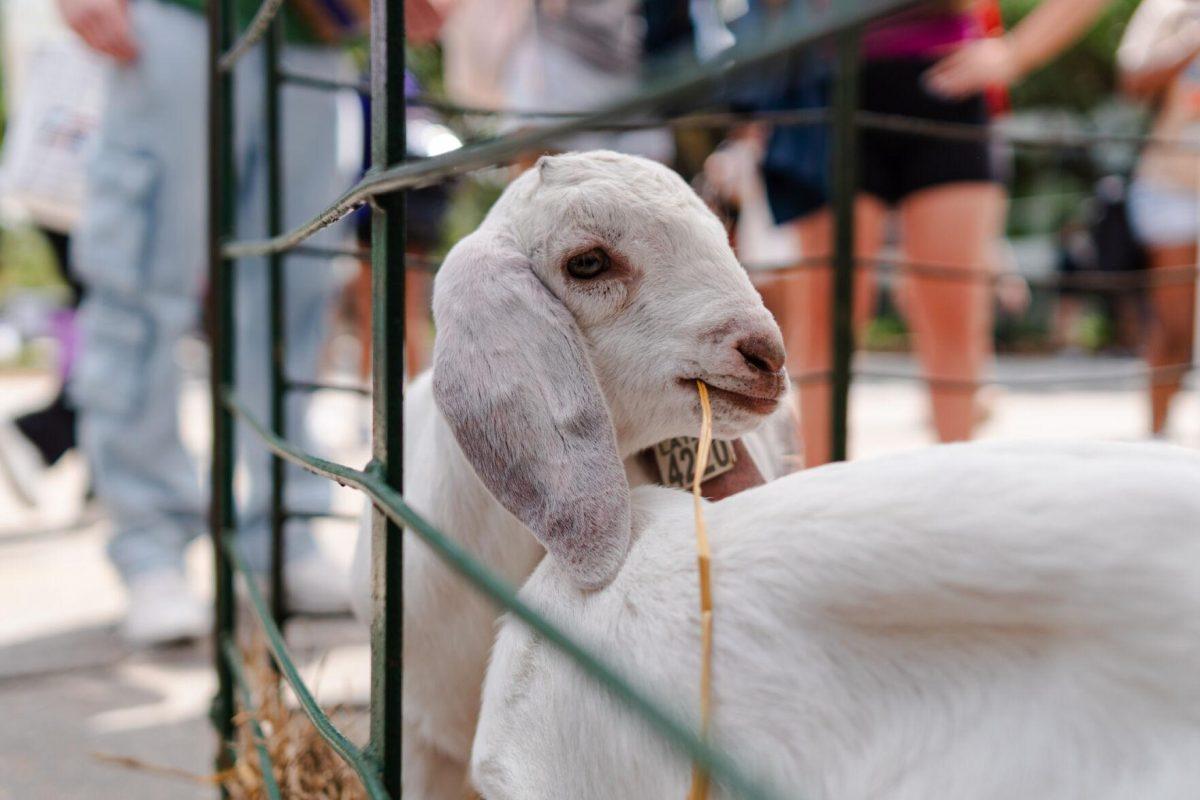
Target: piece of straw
x,y
699,790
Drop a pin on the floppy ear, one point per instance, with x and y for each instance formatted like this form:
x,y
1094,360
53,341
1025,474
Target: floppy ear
x,y
512,378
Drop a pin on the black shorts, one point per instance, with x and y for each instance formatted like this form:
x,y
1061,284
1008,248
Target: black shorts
x,y
891,165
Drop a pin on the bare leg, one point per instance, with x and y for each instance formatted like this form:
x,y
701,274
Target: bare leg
x,y
771,286
1169,343
952,226
1066,317
808,315
360,299
418,323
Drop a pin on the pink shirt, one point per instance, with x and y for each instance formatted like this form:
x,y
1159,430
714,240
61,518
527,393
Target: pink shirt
x,y
916,35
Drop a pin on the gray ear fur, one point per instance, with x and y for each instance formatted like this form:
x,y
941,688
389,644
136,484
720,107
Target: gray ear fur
x,y
512,378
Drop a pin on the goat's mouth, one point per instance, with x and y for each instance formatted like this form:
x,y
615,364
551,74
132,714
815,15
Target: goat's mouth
x,y
755,399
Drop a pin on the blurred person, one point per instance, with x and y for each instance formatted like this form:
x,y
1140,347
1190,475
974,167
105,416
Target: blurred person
x,y
575,56
1159,60
1118,250
477,39
35,441
424,214
141,250
52,97
1075,253
931,63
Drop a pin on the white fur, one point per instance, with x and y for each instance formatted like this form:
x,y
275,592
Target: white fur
x,y
677,311
968,621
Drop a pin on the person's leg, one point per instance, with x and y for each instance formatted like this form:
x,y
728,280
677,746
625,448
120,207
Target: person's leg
x,y
952,225
808,315
311,180
1169,342
418,324
140,250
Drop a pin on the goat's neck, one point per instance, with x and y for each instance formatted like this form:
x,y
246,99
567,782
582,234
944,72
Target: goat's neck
x,y
477,520
467,512
446,620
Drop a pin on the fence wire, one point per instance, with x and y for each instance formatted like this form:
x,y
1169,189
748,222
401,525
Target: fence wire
x,y
254,33
637,112
378,183
794,32
489,584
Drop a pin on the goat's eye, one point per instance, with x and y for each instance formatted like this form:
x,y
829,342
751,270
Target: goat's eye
x,y
589,264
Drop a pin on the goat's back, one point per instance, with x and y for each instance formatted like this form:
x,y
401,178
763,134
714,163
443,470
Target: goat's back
x,y
965,621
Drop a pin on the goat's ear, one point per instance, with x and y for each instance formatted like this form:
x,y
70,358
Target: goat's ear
x,y
511,376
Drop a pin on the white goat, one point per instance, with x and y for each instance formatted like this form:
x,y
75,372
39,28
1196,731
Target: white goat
x,y
571,328
989,621
968,621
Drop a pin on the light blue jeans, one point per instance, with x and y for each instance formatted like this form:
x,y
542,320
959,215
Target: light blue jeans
x,y
141,250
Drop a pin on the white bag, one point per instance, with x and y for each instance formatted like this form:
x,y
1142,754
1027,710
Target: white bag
x,y
50,130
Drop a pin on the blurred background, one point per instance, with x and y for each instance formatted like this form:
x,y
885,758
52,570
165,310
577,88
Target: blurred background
x,y
1029,273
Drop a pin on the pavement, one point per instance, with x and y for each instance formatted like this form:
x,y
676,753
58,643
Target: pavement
x,y
72,695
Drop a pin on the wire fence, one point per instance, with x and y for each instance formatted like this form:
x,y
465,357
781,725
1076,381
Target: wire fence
x,y
379,764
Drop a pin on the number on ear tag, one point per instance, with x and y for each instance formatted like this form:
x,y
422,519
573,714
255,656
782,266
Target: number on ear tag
x,y
676,460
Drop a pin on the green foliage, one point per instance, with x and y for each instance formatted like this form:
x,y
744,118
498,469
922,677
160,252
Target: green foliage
x,y
425,63
1094,331
886,331
469,204
27,261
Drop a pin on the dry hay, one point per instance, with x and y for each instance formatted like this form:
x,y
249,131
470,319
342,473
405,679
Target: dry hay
x,y
304,765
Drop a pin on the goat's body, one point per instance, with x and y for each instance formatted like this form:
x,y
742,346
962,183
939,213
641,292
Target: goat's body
x,y
448,626
968,621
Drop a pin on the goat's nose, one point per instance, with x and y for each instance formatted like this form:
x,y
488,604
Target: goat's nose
x,y
762,353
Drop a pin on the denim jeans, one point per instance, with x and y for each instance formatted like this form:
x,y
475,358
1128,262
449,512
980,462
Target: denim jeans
x,y
141,251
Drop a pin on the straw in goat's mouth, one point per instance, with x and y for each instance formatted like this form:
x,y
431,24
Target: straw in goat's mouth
x,y
699,790
758,403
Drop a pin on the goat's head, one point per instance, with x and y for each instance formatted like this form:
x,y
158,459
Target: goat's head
x,y
572,327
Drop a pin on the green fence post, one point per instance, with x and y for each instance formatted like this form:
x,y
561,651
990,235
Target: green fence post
x,y
222,515
276,310
845,186
387,390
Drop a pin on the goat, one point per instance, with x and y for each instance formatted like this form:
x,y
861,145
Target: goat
x,y
571,328
969,620
982,621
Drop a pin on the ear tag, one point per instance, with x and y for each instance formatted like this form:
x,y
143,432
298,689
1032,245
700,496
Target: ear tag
x,y
676,461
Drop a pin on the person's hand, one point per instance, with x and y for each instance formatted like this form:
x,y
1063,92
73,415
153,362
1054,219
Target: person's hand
x,y
104,25
974,67
726,168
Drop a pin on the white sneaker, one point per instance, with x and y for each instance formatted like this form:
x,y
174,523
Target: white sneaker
x,y
316,585
21,464
162,610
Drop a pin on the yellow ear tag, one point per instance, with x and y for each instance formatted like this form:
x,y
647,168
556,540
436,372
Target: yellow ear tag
x,y
699,790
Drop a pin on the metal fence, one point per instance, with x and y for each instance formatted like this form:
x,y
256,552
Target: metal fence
x,y
379,764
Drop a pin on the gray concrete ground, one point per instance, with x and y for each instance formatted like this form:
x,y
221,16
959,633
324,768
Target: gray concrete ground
x,y
71,693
